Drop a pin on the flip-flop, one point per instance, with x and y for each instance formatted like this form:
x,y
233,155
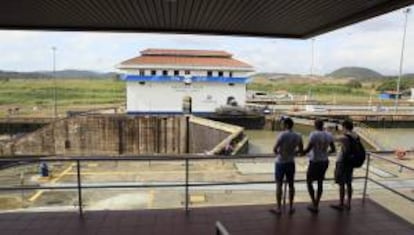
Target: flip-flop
x,y
275,211
312,209
337,207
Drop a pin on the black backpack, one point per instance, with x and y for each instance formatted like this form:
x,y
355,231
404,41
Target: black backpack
x,y
357,153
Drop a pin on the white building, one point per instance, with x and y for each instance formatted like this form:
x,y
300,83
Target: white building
x,y
412,94
163,81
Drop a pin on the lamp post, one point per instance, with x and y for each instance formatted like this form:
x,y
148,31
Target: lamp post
x,y
54,83
312,59
406,12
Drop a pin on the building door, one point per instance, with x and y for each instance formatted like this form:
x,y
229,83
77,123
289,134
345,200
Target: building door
x,y
187,104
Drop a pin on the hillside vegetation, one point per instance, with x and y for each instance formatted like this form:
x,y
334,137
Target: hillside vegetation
x,y
355,72
71,94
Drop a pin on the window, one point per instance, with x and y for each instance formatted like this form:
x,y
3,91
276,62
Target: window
x,y
153,72
176,72
209,73
165,72
230,74
187,72
141,73
220,73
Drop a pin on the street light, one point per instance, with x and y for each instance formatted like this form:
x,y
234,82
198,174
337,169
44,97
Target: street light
x,y
312,59
54,82
406,12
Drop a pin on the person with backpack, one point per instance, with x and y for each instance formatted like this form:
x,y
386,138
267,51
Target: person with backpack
x,y
320,141
351,155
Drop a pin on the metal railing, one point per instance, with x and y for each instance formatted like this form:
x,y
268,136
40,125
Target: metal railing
x,y
401,168
187,185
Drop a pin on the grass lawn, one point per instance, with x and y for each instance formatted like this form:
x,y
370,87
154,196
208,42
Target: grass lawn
x,y
36,96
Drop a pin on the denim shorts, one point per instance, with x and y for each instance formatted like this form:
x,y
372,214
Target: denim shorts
x,y
343,173
285,169
317,170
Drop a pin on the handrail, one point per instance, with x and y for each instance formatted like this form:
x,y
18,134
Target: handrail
x,y
150,157
220,229
391,161
158,157
106,186
392,190
186,158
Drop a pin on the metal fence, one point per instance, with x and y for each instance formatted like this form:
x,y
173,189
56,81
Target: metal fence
x,y
186,159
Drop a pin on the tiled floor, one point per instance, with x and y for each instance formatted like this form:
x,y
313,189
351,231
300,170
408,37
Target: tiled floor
x,y
368,219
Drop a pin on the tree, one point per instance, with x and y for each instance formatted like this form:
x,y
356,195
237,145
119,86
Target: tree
x,y
392,85
354,84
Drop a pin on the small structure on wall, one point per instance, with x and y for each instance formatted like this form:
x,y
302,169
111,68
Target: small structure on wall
x,y
390,95
165,81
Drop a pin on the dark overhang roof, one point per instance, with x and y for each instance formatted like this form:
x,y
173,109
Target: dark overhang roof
x,y
274,18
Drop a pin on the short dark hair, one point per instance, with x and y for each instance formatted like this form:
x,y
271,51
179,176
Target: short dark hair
x,y
288,123
348,125
319,124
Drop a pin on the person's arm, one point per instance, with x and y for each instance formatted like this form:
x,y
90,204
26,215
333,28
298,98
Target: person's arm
x,y
310,145
300,147
333,148
308,148
277,145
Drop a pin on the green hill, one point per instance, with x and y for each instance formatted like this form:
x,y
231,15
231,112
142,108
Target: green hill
x,y
355,72
68,73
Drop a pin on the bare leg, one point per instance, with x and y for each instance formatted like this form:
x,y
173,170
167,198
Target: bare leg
x,y
291,195
311,192
319,193
340,206
349,192
278,196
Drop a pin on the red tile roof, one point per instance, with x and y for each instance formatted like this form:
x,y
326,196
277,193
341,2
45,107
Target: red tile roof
x,y
196,53
186,58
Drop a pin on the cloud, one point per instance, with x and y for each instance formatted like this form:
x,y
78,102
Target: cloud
x,y
374,43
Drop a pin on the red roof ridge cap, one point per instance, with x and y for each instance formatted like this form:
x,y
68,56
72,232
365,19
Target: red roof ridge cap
x,y
186,52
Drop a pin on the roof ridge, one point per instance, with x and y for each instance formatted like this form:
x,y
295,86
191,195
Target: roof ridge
x,y
185,52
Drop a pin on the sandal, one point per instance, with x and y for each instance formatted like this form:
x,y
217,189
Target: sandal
x,y
276,211
312,209
338,207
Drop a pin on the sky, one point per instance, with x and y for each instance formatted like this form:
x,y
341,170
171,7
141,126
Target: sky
x,y
375,44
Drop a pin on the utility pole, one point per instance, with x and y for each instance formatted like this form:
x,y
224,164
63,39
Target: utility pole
x,y
54,83
406,12
312,59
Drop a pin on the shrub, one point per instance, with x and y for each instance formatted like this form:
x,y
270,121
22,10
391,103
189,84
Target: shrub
x,y
354,84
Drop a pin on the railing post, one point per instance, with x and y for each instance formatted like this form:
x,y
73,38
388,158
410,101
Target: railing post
x,y
187,199
284,194
78,173
364,193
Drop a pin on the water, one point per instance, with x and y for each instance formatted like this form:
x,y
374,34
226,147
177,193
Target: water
x,y
262,141
396,137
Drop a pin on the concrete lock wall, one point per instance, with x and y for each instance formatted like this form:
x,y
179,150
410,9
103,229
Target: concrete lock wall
x,y
92,135
103,135
211,137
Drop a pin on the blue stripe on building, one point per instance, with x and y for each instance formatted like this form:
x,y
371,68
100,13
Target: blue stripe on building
x,y
139,78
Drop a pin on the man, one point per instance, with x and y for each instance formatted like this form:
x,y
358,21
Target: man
x,y
319,142
287,146
343,170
